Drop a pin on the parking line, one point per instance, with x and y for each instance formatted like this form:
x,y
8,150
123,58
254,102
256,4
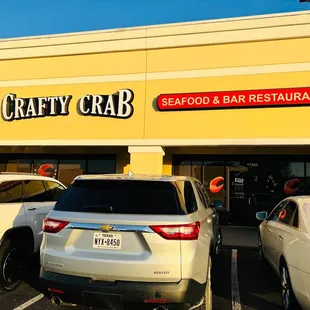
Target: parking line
x,y
235,295
29,302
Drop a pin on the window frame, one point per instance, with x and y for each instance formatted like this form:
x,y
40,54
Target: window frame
x,y
290,224
206,195
45,182
201,194
276,210
24,191
298,218
194,197
285,207
63,205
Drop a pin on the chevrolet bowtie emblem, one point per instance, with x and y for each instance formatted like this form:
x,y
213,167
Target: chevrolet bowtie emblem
x,y
106,228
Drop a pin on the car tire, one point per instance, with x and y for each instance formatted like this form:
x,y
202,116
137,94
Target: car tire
x,y
207,303
288,298
9,266
260,249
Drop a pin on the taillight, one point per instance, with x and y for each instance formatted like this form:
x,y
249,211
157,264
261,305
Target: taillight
x,y
53,226
178,232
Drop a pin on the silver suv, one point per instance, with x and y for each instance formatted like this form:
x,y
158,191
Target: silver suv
x,y
131,242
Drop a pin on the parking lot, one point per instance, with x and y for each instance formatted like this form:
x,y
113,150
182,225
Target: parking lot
x,y
257,286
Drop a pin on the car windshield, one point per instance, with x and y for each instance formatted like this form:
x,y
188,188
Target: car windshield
x,y
120,196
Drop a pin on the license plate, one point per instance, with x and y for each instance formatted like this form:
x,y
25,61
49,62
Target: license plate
x,y
107,241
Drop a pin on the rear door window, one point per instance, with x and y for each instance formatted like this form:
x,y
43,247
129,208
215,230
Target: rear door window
x,y
295,221
206,195
201,195
11,191
35,191
120,197
189,197
274,215
286,215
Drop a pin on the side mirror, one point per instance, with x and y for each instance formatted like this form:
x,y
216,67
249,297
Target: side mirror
x,y
217,204
261,216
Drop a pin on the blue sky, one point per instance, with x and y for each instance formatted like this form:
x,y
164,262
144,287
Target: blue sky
x,y
33,17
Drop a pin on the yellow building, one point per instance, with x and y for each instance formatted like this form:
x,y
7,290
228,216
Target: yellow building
x,y
212,98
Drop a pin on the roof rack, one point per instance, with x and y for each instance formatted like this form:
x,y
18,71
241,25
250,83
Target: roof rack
x,y
23,173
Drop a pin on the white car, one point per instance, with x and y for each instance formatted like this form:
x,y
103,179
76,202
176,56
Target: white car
x,y
25,200
284,241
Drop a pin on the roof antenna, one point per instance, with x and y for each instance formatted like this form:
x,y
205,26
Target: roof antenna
x,y
130,173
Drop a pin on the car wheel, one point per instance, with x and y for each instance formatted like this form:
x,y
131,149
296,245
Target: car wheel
x,y
260,248
219,242
9,266
289,300
207,303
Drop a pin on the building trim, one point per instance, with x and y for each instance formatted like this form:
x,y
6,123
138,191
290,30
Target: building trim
x,y
161,142
220,31
146,149
153,76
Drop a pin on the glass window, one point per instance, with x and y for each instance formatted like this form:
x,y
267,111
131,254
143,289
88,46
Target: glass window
x,y
189,197
286,215
308,169
35,191
210,173
45,167
69,169
120,197
185,168
296,219
55,190
206,195
214,163
233,163
274,215
297,169
102,166
2,167
201,194
19,165
10,191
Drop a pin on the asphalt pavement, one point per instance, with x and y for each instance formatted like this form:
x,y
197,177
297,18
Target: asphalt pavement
x,y
258,285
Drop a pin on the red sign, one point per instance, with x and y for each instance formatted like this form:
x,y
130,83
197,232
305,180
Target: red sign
x,y
235,99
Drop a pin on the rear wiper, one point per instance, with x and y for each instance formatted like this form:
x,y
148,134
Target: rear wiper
x,y
101,208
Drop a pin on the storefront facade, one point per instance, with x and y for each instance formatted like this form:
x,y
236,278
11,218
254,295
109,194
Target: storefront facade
x,y
214,98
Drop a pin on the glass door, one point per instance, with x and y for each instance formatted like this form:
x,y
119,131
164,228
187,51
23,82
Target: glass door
x,y
236,200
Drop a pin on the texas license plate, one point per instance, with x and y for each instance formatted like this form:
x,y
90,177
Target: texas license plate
x,y
107,241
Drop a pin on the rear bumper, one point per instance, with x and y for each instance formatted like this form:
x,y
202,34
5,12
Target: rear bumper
x,y
122,295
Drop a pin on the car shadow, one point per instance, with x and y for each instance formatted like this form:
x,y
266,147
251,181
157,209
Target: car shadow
x,y
259,286
30,271
220,280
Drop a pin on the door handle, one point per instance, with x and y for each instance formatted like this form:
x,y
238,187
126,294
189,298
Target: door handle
x,y
32,209
281,237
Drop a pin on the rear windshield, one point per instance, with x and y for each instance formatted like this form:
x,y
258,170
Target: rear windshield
x,y
121,197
